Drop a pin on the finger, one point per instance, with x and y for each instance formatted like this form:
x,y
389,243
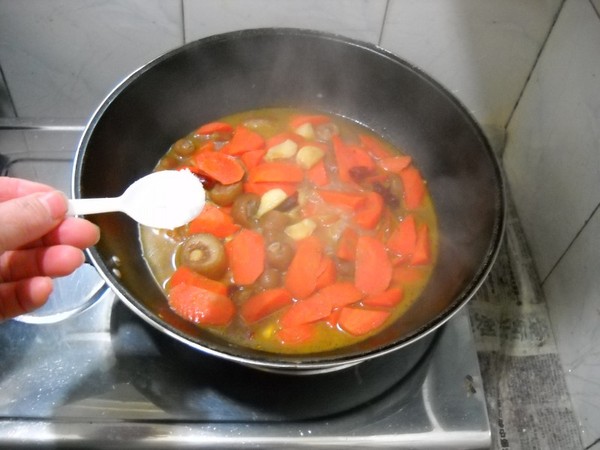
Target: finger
x,y
55,261
23,296
15,187
28,218
73,231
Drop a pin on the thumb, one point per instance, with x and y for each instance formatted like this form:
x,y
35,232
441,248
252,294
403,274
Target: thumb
x,y
27,218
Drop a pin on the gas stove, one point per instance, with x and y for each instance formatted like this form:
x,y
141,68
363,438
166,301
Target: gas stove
x,y
86,372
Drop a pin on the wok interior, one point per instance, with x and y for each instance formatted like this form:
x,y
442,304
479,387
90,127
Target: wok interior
x,y
240,71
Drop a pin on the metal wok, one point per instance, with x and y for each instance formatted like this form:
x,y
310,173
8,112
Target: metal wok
x,y
238,71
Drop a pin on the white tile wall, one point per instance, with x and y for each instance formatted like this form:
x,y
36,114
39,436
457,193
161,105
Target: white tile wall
x,y
552,156
62,57
358,19
573,293
552,160
482,51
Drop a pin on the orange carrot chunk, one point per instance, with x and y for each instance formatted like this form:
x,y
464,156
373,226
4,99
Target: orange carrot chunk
x,y
404,238
253,158
186,275
414,187
303,271
326,272
200,305
213,220
308,310
317,119
343,199
296,335
246,255
374,146
373,269
422,253
243,140
265,303
395,164
368,214
219,166
215,127
317,174
340,294
346,249
386,299
276,172
358,321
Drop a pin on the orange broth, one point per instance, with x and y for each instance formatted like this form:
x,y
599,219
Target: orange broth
x,y
326,233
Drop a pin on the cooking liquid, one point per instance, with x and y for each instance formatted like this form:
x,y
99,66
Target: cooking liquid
x,y
161,247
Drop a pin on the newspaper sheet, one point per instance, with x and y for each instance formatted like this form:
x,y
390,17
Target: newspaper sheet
x,y
527,398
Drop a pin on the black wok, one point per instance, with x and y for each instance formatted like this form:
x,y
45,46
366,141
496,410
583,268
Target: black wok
x,y
233,72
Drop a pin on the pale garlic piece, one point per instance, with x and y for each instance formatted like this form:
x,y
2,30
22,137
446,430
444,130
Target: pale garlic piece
x,y
306,130
270,200
301,230
284,150
308,156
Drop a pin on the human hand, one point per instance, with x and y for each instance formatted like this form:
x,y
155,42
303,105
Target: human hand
x,y
37,242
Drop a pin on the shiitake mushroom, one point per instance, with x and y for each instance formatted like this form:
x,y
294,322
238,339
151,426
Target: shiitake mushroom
x,y
244,209
225,194
205,254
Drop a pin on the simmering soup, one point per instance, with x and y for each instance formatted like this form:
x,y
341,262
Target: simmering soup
x,y
316,232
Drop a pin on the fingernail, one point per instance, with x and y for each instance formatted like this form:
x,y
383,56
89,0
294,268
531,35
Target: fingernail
x,y
56,204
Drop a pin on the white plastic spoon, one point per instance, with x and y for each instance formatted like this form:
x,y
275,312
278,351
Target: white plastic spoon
x,y
166,199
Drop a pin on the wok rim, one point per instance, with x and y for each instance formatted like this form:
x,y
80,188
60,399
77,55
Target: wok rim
x,y
311,362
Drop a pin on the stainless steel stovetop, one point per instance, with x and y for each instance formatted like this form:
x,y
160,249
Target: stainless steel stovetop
x,y
104,378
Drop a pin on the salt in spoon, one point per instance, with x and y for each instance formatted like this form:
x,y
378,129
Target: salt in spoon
x,y
166,199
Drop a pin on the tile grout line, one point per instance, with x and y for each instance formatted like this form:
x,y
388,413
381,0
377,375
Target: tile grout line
x,y
385,12
560,258
535,63
182,9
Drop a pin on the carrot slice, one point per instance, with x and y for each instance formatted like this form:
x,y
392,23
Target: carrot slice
x,y
340,294
243,140
317,119
414,187
303,271
260,188
374,146
422,253
253,158
265,303
404,237
358,321
213,220
369,213
339,198
185,275
219,166
308,310
388,299
317,174
343,157
200,305
346,249
326,272
296,335
395,164
215,127
276,172
373,269
246,255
